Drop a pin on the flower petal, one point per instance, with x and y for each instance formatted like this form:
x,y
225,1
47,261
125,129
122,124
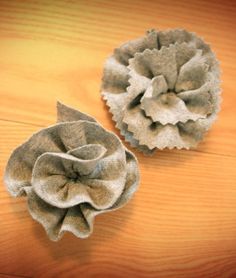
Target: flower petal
x,y
151,63
49,216
128,49
168,37
56,220
88,157
59,138
20,164
132,180
168,109
64,180
198,101
193,74
115,77
79,221
184,52
116,102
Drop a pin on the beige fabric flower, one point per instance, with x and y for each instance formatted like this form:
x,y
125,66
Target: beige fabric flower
x,y
70,172
162,89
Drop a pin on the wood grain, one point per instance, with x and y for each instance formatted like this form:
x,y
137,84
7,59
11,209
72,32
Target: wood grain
x,y
182,220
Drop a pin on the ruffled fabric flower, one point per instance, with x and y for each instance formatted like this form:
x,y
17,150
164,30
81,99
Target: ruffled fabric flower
x,y
163,90
70,172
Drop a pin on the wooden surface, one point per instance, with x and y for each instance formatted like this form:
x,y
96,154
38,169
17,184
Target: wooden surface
x,y
182,221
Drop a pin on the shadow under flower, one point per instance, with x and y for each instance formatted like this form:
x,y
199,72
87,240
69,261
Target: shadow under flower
x,y
107,226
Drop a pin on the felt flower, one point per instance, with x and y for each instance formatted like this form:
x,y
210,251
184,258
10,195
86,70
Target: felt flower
x,y
162,89
70,172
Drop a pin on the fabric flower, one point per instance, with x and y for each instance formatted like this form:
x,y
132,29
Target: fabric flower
x,y
163,90
70,172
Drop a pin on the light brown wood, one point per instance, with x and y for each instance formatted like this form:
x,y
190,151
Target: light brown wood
x,y
182,220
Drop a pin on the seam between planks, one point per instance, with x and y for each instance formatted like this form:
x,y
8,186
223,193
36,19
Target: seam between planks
x,y
42,126
14,275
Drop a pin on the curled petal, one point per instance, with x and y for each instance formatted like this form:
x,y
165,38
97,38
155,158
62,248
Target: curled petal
x,y
56,220
19,167
59,138
132,180
64,180
88,157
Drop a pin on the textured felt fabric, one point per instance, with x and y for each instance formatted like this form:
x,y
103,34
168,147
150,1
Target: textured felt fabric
x,y
163,90
70,172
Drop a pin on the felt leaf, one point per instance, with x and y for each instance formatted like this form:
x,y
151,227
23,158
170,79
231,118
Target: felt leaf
x,y
68,114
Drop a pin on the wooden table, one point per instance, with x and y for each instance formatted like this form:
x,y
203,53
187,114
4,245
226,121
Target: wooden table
x,y
182,220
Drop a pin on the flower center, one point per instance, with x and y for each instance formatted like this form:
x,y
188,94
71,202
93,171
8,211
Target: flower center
x,y
74,176
167,98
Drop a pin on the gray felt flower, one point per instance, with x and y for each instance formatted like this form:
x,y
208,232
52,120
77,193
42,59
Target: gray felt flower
x,y
70,172
162,89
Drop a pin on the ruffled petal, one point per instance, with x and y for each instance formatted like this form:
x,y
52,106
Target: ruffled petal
x,y
161,136
115,77
64,180
151,63
50,217
116,102
193,74
128,49
132,180
168,109
184,52
19,168
168,37
56,220
59,138
198,101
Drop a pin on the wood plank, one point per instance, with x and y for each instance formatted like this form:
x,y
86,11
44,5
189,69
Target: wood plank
x,y
37,72
182,216
182,220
